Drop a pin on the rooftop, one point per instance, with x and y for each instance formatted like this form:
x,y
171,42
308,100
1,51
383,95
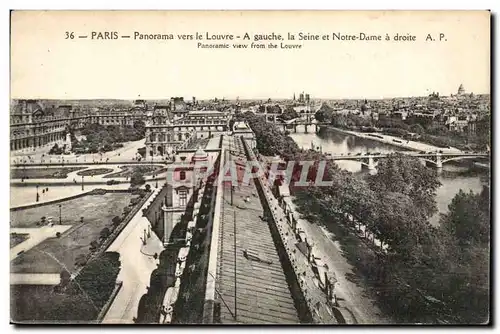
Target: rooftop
x,y
262,292
202,112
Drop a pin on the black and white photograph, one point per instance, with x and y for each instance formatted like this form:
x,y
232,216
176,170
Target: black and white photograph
x,y
250,167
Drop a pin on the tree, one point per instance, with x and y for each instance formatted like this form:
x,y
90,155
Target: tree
x,y
464,263
324,113
80,260
140,128
417,128
137,179
437,129
270,141
400,224
468,217
483,131
65,277
126,210
116,221
148,187
402,174
93,246
289,114
105,232
98,278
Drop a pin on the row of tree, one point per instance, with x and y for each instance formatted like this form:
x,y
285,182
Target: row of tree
x,y
425,273
100,138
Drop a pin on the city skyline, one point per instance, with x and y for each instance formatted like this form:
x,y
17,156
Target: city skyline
x,y
248,98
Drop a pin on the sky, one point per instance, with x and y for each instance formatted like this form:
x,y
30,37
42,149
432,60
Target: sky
x,y
45,65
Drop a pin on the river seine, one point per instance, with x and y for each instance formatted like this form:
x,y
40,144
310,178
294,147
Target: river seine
x,y
452,177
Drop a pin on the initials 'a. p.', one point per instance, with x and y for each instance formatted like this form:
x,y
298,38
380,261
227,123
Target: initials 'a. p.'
x,y
104,35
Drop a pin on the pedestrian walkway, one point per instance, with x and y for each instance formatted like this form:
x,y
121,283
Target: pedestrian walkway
x,y
36,236
137,264
213,143
35,279
75,178
125,153
25,196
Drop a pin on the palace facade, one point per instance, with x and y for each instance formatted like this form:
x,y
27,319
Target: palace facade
x,y
32,126
167,131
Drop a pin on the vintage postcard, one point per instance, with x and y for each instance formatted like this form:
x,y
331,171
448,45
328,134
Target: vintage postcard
x,y
250,167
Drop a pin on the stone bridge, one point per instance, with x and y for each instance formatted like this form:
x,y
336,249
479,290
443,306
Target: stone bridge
x,y
434,159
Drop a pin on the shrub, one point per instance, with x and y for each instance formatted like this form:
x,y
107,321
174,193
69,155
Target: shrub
x,y
58,234
98,278
81,260
134,201
105,232
65,278
126,210
94,245
137,179
116,221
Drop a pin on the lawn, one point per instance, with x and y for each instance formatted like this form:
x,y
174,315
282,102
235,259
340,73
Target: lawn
x,y
38,303
127,171
17,238
42,173
78,301
95,171
52,254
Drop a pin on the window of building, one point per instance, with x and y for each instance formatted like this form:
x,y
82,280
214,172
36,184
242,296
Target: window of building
x,y
182,197
183,175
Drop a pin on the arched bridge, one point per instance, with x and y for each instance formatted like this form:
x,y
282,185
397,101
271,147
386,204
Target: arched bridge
x,y
435,159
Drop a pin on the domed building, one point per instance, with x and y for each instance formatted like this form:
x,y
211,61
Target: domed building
x,y
461,90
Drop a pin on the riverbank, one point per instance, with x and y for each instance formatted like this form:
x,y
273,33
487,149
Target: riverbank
x,y
398,215
394,141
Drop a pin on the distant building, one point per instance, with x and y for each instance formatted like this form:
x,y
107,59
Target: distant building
x,y
33,126
461,90
167,131
118,116
140,104
301,98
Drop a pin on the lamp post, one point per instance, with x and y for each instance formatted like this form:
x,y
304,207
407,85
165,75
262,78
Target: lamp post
x,y
37,194
82,183
60,219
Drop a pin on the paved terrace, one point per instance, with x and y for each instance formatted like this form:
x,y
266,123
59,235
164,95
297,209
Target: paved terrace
x,y
262,292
